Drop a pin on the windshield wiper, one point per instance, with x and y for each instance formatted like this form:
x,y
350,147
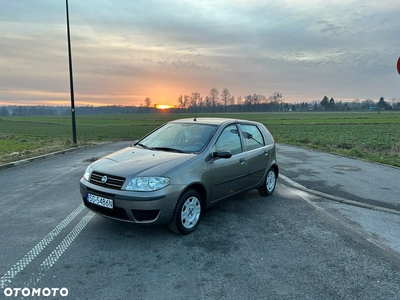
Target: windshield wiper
x,y
144,146
168,149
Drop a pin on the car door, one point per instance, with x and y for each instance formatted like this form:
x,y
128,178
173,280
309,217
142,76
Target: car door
x,y
257,153
229,175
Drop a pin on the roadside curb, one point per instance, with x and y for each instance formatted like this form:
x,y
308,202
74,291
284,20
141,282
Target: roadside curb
x,y
27,160
298,186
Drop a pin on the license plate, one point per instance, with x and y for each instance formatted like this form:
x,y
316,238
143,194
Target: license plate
x,y
104,202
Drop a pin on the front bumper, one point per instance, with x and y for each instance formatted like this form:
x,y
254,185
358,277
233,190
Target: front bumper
x,y
155,207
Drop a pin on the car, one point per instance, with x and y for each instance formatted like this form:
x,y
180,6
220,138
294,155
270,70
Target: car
x,y
176,172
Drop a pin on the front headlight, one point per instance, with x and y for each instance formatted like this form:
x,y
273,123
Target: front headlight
x,y
143,184
88,172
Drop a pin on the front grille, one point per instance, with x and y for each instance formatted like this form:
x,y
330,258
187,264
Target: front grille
x,y
113,182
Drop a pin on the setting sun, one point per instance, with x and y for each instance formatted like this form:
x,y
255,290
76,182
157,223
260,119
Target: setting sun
x,y
162,106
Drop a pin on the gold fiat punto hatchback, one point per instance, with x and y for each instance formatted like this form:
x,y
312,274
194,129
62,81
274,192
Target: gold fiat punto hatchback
x,y
174,173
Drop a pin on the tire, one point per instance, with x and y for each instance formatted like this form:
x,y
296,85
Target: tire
x,y
187,213
269,183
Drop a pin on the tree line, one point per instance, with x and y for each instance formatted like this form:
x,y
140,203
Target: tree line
x,y
215,101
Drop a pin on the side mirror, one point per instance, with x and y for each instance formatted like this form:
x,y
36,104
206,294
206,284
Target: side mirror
x,y
247,135
222,154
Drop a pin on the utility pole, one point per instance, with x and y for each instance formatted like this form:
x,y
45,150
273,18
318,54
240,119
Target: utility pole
x,y
71,81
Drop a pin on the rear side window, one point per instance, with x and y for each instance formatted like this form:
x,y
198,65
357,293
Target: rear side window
x,y
252,136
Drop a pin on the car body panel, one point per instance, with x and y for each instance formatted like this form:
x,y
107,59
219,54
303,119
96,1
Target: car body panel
x,y
229,176
135,161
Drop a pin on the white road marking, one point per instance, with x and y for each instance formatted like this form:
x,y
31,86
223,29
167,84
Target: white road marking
x,y
58,251
22,263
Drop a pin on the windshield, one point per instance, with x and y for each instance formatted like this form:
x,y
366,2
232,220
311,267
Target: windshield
x,y
179,137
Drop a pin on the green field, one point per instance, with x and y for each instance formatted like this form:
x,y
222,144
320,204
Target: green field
x,y
368,135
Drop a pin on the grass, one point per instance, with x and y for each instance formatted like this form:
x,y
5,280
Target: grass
x,y
368,135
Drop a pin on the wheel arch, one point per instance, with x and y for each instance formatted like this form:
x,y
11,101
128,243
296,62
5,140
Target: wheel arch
x,y
201,190
276,169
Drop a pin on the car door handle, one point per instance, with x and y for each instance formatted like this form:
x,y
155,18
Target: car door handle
x,y
266,152
242,160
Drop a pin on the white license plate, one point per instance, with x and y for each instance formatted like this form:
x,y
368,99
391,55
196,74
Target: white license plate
x,y
100,201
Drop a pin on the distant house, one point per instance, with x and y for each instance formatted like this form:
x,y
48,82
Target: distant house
x,y
372,108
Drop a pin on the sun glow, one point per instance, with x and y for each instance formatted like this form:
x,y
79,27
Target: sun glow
x,y
162,106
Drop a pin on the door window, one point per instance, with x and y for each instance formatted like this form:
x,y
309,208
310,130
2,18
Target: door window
x,y
252,137
229,140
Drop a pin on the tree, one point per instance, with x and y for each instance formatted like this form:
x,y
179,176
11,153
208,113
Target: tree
x,y
277,98
4,112
381,104
231,100
262,99
225,98
147,102
214,98
195,100
248,100
207,103
183,101
275,101
331,104
255,99
325,103
367,103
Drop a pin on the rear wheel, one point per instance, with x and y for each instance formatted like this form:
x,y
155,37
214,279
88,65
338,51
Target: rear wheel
x,y
269,183
187,213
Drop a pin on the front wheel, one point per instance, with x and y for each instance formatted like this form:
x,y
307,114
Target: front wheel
x,y
187,213
269,183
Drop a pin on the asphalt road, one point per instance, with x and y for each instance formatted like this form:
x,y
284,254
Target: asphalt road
x,y
293,245
356,180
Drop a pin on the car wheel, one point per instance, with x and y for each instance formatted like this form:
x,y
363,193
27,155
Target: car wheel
x,y
187,213
269,183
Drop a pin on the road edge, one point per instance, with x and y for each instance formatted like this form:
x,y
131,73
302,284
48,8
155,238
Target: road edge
x,y
298,186
31,159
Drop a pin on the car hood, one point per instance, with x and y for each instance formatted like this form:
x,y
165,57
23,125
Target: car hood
x,y
132,161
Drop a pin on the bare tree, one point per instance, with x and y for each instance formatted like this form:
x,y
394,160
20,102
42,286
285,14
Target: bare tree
x,y
207,102
231,100
195,100
147,102
214,97
183,101
276,98
262,99
248,100
254,99
225,96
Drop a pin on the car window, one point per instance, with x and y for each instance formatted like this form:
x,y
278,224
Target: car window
x,y
229,140
252,137
180,136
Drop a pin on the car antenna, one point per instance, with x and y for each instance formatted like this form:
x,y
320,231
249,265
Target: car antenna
x,y
195,118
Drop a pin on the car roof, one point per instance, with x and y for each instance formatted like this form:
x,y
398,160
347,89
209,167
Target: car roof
x,y
211,121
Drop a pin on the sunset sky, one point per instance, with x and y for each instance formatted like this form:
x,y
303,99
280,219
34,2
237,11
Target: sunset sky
x,y
126,50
